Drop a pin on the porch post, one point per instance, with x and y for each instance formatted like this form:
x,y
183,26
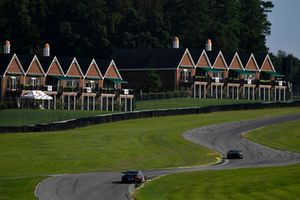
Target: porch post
x,y
106,103
88,103
54,102
284,94
93,103
275,94
126,104
130,104
74,103
112,104
101,102
195,90
269,94
68,102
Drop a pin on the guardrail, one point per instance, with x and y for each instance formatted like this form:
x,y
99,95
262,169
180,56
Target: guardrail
x,y
102,119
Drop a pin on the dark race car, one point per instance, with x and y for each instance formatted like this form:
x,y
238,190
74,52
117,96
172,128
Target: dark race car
x,y
231,154
133,176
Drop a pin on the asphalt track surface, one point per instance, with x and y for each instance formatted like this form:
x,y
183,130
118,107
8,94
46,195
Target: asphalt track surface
x,y
220,138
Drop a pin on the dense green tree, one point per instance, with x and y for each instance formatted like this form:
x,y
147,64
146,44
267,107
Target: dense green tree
x,y
95,28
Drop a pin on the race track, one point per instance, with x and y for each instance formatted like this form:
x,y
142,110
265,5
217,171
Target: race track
x,y
221,138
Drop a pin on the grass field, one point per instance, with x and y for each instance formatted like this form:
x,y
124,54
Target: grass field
x,y
144,144
15,117
243,184
185,102
264,183
280,136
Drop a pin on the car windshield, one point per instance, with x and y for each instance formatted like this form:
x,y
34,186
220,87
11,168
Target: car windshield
x,y
131,172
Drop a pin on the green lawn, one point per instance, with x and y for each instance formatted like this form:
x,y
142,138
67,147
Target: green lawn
x,y
144,144
275,183
261,183
18,188
185,102
280,136
14,117
17,117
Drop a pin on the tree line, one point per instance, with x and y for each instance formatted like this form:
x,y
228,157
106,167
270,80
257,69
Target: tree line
x,y
94,28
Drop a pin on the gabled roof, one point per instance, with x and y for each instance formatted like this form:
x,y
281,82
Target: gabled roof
x,y
104,66
5,59
197,54
86,63
220,54
47,61
236,56
261,59
148,58
27,60
251,57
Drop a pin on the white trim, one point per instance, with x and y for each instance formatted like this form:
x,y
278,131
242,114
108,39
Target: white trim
x,y
53,60
267,57
252,56
239,60
39,64
17,59
207,59
189,55
97,68
112,63
75,61
220,53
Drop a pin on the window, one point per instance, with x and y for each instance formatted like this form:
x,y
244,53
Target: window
x,y
33,82
13,83
185,74
249,76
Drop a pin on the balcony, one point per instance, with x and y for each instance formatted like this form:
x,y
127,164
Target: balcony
x,y
71,89
202,78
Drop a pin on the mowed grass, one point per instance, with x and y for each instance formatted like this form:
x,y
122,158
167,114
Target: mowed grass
x,y
18,188
144,143
280,136
275,183
261,183
17,117
136,144
185,102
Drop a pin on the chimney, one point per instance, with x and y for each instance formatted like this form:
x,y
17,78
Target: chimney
x,y
208,46
6,47
46,50
175,42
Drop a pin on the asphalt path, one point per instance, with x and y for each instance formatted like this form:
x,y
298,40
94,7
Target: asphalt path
x,y
220,138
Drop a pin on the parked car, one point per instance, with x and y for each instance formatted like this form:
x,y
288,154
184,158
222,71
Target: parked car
x,y
133,176
235,154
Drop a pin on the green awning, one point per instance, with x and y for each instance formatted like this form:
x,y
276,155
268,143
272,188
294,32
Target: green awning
x,y
116,80
274,74
208,69
61,78
243,72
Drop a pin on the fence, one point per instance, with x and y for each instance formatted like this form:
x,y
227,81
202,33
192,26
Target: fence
x,y
102,119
